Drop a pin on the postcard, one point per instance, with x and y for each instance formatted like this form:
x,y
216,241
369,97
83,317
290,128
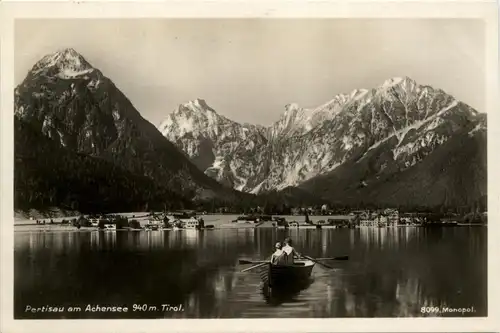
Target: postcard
x,y
228,166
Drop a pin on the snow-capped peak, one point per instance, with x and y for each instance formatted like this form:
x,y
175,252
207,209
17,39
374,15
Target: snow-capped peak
x,y
398,81
358,92
67,62
197,105
391,82
401,116
193,117
291,106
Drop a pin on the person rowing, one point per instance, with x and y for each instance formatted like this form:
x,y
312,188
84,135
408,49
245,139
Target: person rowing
x,y
278,255
289,252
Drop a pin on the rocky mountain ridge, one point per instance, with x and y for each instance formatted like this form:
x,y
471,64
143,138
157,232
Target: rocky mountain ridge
x,y
357,147
401,122
71,102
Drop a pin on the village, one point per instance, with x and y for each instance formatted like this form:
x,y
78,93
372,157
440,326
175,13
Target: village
x,y
317,218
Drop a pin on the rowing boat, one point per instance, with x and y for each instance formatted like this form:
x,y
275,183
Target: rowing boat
x,y
286,275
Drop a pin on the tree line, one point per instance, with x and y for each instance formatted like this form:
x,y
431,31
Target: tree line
x,y
47,175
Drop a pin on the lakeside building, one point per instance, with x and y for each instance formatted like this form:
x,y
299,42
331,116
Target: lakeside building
x,y
190,223
382,221
368,222
94,222
156,220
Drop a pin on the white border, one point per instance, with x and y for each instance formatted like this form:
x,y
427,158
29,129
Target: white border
x,y
486,10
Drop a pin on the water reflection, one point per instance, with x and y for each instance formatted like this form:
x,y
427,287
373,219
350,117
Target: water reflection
x,y
391,272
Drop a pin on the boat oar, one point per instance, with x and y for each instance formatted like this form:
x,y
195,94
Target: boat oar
x,y
247,261
335,258
317,261
256,266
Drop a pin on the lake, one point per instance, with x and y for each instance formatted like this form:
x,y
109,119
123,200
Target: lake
x,y
391,272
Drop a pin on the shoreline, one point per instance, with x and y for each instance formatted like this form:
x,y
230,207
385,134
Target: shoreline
x,y
219,221
57,227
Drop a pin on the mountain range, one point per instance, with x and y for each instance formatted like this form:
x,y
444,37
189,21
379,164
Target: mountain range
x,y
79,109
80,143
390,145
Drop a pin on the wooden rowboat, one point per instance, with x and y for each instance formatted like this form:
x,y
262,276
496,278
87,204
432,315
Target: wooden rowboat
x,y
276,276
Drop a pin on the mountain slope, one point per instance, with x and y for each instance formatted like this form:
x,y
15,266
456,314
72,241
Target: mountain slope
x,y
48,175
386,132
453,175
210,140
68,100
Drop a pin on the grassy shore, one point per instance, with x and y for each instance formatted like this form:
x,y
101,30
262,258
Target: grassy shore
x,y
47,227
23,223
26,221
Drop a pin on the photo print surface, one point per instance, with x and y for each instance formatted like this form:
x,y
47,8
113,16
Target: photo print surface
x,y
250,168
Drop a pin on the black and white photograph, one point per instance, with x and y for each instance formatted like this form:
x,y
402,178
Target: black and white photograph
x,y
249,167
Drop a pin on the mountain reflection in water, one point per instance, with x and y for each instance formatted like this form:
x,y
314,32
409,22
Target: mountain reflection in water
x,y
391,272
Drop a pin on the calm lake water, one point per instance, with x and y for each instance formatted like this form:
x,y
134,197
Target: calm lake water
x,y
391,272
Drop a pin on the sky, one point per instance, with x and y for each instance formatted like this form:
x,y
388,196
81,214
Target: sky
x,y
249,69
